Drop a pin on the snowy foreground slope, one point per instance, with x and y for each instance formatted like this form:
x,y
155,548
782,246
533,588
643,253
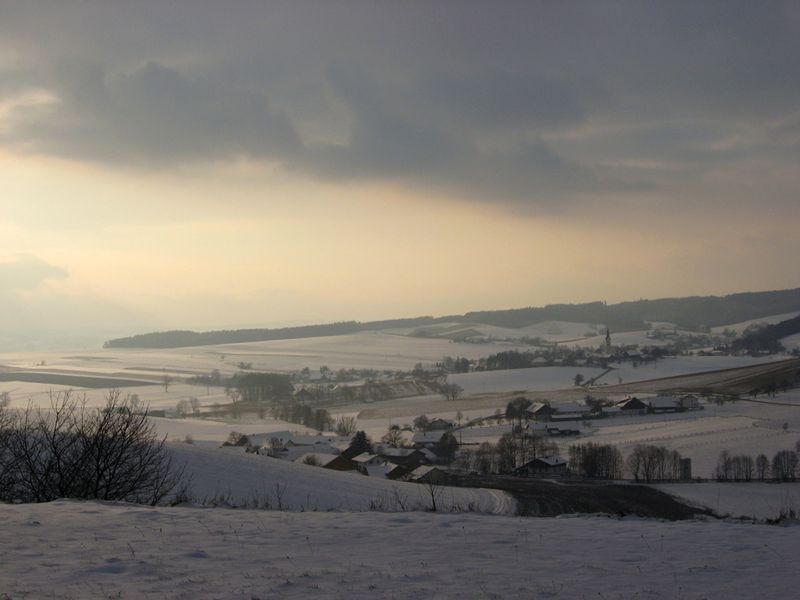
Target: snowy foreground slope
x,y
80,550
250,479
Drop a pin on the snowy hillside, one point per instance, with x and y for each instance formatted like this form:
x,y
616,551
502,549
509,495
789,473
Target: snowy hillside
x,y
73,550
247,478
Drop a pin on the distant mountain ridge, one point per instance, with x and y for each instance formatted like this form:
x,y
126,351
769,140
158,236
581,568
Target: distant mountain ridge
x,y
694,313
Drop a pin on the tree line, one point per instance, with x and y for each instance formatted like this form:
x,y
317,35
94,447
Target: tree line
x,y
784,466
688,313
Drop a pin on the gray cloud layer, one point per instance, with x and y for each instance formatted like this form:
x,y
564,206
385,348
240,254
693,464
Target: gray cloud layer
x,y
539,104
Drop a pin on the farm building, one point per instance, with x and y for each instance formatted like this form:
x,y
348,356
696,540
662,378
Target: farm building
x,y
543,466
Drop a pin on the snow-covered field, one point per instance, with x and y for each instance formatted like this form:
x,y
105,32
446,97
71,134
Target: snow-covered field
x,y
741,428
369,349
511,380
683,365
554,378
77,550
791,342
758,501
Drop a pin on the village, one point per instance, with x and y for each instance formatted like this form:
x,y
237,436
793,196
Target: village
x,y
435,450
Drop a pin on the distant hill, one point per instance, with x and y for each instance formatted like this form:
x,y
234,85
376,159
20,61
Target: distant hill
x,y
694,313
768,338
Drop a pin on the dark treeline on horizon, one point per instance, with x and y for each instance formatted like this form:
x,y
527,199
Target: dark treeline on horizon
x,y
693,313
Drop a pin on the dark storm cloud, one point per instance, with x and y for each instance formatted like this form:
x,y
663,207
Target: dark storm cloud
x,y
534,103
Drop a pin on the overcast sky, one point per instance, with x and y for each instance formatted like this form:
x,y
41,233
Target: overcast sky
x,y
208,164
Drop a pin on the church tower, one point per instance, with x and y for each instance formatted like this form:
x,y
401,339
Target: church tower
x,y
608,341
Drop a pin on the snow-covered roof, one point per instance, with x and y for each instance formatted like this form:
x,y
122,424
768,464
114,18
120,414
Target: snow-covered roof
x,y
429,454
320,459
366,457
397,452
427,437
571,407
664,402
422,471
553,461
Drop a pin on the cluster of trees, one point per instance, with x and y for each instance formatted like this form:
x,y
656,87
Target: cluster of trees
x,y
188,407
596,461
459,364
297,412
342,375
70,451
514,359
512,450
772,388
783,466
767,338
654,463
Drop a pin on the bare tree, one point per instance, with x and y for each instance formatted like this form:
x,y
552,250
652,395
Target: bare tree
x,y
234,395
183,407
71,451
762,467
784,465
346,426
451,391
393,436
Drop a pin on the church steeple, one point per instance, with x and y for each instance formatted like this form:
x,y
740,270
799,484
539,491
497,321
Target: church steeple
x,y
608,340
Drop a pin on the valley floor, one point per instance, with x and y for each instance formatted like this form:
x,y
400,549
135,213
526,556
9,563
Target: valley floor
x,y
69,549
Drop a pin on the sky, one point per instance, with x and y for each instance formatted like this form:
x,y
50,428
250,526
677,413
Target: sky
x,y
193,164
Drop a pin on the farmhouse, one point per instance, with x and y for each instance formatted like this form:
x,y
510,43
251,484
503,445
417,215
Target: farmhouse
x,y
632,406
426,439
326,461
564,428
405,457
540,411
664,404
544,466
570,411
690,402
441,425
427,474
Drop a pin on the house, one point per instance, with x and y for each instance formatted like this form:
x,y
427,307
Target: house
x,y
564,428
326,461
664,404
365,461
543,466
426,439
540,411
427,474
632,406
610,411
570,411
291,453
689,402
537,428
383,470
405,457
441,425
